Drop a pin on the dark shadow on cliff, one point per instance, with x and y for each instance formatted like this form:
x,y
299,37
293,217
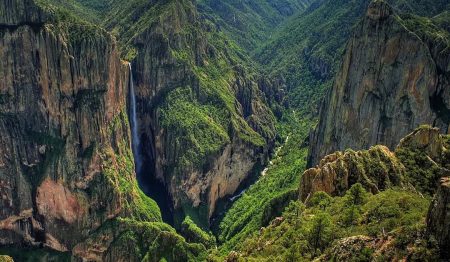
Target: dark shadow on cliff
x,y
150,185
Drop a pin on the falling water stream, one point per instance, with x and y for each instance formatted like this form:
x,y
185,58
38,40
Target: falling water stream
x,y
144,162
134,125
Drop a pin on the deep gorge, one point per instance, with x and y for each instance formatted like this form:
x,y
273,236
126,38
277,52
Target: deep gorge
x,y
207,130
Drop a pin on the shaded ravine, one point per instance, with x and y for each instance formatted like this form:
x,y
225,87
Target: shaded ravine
x,y
144,162
258,172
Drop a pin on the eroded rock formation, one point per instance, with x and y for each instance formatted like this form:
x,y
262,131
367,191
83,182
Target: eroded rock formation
x,y
376,169
420,160
391,80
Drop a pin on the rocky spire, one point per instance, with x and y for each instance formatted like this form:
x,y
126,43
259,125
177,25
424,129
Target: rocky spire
x,y
379,10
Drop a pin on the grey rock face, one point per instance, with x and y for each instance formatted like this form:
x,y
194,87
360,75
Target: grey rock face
x,y
390,82
17,12
62,101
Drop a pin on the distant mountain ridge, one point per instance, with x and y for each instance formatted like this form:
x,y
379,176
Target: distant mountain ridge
x,y
250,23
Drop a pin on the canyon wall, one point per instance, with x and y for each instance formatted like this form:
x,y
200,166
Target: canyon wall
x,y
66,166
204,122
392,79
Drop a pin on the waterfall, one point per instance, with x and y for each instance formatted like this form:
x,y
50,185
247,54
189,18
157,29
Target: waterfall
x,y
134,124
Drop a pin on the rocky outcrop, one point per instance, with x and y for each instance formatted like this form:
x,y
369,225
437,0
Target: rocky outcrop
x,y
438,220
391,81
427,140
376,169
349,248
420,159
426,156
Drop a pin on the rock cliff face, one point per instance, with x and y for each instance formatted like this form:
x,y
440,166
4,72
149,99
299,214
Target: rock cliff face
x,y
204,122
15,13
438,221
391,80
64,135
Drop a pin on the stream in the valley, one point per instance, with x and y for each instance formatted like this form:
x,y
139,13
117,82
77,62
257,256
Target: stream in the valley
x,y
224,204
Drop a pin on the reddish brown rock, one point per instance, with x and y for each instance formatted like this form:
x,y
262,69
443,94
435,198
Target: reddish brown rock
x,y
54,201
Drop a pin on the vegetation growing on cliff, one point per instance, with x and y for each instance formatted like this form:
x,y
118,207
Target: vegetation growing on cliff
x,y
219,102
247,214
250,23
306,50
430,30
194,234
306,232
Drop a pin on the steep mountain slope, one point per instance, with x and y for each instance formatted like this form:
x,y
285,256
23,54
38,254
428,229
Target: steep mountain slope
x,y
250,23
67,176
362,207
266,199
240,222
394,77
307,49
204,121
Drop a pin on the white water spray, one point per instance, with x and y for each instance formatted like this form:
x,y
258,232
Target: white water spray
x,y
134,124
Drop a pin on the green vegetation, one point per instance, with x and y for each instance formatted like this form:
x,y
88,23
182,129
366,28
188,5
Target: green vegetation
x,y
307,48
307,232
71,19
32,254
248,213
145,241
197,129
194,234
422,172
428,29
250,23
68,9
